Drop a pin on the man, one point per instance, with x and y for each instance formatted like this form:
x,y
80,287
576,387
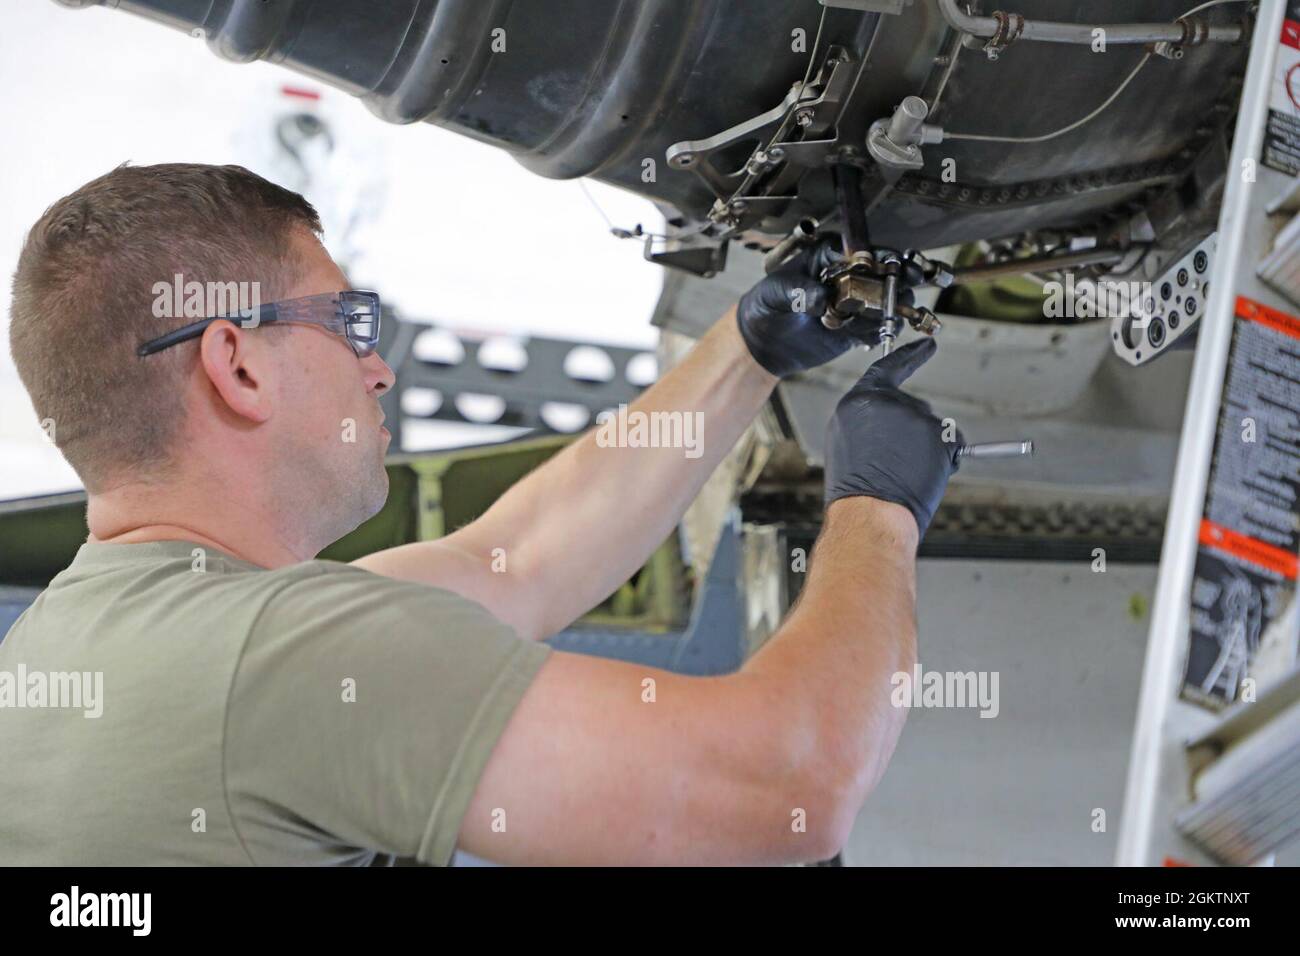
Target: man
x,y
262,707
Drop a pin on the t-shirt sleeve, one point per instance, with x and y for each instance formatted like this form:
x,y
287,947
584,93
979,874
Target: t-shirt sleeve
x,y
361,715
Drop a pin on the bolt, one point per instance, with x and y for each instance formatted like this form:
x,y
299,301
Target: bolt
x,y
804,117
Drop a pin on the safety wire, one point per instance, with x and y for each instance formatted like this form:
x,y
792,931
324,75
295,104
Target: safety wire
x,y
619,231
1095,113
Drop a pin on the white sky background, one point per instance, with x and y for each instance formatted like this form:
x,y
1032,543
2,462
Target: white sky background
x,y
85,90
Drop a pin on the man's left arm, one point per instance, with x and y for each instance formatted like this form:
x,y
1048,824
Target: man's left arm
x,y
584,522
580,525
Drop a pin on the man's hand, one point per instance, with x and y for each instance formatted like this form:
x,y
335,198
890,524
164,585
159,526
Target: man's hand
x,y
885,444
780,317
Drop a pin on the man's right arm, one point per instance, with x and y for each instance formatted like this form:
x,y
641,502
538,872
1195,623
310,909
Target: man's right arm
x,y
767,765
608,762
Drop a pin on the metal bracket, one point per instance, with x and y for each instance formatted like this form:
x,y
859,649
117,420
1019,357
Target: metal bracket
x,y
1168,318
702,257
768,178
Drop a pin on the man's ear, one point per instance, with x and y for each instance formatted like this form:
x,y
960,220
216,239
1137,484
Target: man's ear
x,y
238,371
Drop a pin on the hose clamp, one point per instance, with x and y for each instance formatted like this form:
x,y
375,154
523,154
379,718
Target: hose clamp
x,y
1196,30
1010,27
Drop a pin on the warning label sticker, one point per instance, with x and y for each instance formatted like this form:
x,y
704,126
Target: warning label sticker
x,y
1282,135
1249,552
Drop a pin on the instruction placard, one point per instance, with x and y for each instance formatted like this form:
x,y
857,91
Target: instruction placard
x,y
1246,563
1282,134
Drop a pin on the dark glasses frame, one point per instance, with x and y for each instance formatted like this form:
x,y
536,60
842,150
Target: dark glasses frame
x,y
353,314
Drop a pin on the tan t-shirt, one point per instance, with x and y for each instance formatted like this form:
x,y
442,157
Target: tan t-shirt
x,y
314,714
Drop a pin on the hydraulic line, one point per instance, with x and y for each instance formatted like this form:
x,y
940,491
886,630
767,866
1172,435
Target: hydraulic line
x,y
1182,31
943,4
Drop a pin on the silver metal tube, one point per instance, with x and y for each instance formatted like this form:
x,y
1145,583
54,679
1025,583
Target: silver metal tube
x,y
905,125
997,449
887,337
804,232
1018,267
1050,31
889,298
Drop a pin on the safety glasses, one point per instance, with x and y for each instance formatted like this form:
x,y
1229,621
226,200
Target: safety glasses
x,y
353,314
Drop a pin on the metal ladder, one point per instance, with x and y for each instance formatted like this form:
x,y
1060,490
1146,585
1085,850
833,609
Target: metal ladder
x,y
1214,772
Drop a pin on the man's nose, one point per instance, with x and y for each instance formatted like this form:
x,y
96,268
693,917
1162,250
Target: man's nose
x,y
379,377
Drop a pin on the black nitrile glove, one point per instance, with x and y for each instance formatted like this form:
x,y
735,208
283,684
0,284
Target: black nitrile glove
x,y
885,444
780,317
